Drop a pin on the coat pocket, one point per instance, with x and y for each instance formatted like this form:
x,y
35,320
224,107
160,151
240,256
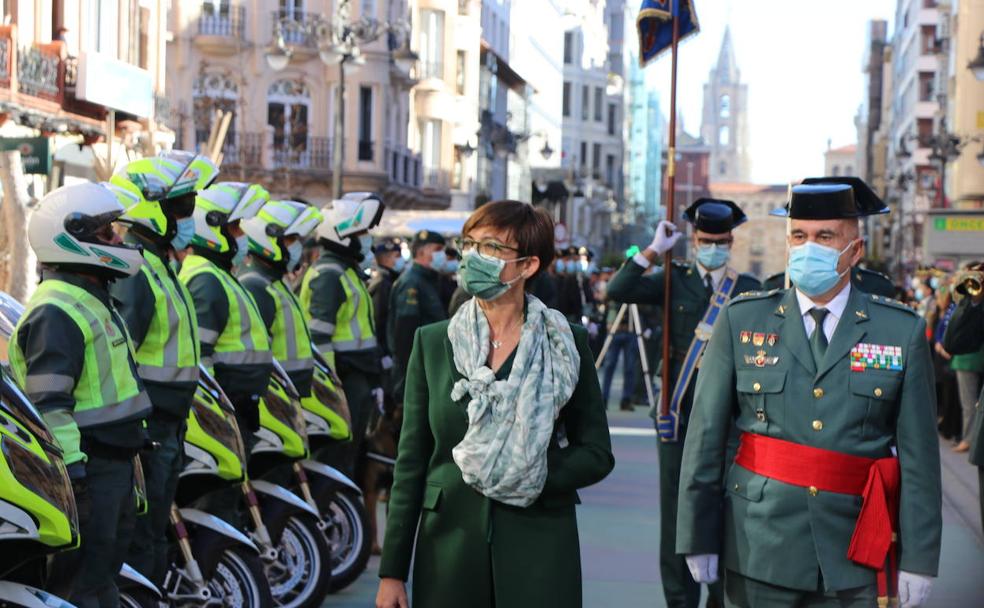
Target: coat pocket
x,y
745,484
432,497
761,391
881,386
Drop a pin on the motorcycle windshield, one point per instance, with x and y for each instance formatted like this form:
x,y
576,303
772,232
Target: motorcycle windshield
x,y
10,313
216,420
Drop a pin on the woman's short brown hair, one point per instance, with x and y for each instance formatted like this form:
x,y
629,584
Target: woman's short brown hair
x,y
532,227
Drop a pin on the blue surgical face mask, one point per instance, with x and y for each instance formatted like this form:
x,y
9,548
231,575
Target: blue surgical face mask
x,y
242,248
920,294
572,266
438,260
294,251
451,266
713,256
559,265
813,267
934,283
400,264
186,230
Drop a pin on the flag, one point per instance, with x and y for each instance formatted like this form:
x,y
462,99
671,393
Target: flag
x,y
655,25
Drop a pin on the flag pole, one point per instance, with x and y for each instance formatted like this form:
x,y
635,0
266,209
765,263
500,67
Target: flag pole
x,y
664,407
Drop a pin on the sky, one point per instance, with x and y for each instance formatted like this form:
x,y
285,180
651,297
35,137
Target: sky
x,y
801,60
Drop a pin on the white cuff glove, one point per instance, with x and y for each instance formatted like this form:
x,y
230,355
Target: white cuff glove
x,y
387,363
380,397
913,588
661,242
704,567
593,329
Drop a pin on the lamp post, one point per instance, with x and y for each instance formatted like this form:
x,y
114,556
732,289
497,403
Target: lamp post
x,y
944,146
338,40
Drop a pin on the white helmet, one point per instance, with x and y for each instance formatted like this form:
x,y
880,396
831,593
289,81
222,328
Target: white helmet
x,y
64,231
276,221
222,204
350,216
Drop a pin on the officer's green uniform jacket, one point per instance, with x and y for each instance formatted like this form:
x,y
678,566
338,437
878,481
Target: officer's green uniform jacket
x,y
965,334
323,297
787,535
469,548
53,350
136,303
414,302
259,279
239,380
866,280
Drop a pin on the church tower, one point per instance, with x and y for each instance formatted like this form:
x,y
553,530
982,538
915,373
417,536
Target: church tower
x,y
725,119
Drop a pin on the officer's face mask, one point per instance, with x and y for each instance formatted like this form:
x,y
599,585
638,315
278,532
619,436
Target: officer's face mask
x,y
451,266
400,264
438,260
186,231
713,256
294,251
242,248
813,267
480,276
559,265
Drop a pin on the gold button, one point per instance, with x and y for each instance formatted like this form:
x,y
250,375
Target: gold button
x,y
878,392
814,491
817,425
818,392
757,387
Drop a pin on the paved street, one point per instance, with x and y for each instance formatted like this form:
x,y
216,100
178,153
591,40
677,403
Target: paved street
x,y
619,526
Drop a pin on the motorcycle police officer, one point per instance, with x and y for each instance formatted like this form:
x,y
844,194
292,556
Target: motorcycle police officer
x,y
159,194
389,265
72,354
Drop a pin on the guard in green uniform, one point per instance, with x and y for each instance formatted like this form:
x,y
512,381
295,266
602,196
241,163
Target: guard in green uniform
x,y
965,334
692,286
71,354
415,301
827,383
235,345
159,195
389,265
339,309
276,236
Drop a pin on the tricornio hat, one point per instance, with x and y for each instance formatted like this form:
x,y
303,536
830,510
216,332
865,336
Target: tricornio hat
x,y
831,198
428,237
714,216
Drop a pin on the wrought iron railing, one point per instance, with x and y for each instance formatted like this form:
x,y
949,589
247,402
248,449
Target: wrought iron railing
x,y
310,153
436,179
226,20
402,166
6,44
39,73
295,26
367,150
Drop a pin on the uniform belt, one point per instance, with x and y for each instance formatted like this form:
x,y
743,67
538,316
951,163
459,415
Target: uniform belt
x,y
105,451
876,480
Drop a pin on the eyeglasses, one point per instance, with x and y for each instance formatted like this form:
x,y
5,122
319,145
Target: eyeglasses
x,y
724,244
488,248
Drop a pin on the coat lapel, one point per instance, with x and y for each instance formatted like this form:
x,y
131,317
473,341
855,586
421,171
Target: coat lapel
x,y
793,332
850,330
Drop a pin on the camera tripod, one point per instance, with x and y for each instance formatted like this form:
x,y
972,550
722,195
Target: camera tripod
x,y
635,326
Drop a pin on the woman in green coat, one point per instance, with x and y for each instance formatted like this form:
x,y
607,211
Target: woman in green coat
x,y
503,423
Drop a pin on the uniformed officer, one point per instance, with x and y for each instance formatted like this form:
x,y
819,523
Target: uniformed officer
x,y
339,309
415,300
72,355
235,345
827,382
389,265
692,286
276,240
965,334
159,194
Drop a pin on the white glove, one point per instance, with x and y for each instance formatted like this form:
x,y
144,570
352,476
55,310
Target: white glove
x,y
593,329
647,334
379,396
703,568
387,363
913,588
661,242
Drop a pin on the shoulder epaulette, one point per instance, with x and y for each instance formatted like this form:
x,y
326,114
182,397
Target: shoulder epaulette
x,y
681,264
892,303
746,296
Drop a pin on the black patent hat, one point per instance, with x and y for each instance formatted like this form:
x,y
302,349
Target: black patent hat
x,y
715,216
831,198
428,237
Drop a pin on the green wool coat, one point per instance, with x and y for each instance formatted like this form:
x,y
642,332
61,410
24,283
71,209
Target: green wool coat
x,y
470,550
787,535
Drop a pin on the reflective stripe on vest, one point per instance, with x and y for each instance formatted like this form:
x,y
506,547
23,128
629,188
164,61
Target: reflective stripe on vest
x,y
106,391
291,340
243,340
353,329
170,350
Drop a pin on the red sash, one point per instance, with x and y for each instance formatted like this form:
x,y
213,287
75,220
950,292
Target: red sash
x,y
876,480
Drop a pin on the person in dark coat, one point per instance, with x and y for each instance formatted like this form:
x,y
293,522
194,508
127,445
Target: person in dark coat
x,y
389,265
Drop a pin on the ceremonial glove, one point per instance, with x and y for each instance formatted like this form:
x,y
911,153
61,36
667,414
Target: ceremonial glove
x,y
593,329
703,568
387,363
913,588
647,334
661,242
379,396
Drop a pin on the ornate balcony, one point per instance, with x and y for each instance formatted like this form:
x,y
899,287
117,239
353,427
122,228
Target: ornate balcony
x,y
220,30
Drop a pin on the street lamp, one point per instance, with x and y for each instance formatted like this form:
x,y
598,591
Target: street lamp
x,y
546,151
977,65
338,43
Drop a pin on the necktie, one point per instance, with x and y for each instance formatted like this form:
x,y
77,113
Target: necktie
x,y
818,341
708,285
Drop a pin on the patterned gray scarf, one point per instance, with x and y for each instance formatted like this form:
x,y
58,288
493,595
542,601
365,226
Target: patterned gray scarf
x,y
510,422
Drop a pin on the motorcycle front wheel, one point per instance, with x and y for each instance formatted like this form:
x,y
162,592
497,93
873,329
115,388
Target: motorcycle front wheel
x,y
347,532
239,581
300,577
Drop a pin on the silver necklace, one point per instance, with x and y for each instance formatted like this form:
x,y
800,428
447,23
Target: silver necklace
x,y
497,344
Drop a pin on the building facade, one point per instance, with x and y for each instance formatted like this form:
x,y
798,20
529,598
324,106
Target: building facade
x,y
725,118
760,243
840,161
